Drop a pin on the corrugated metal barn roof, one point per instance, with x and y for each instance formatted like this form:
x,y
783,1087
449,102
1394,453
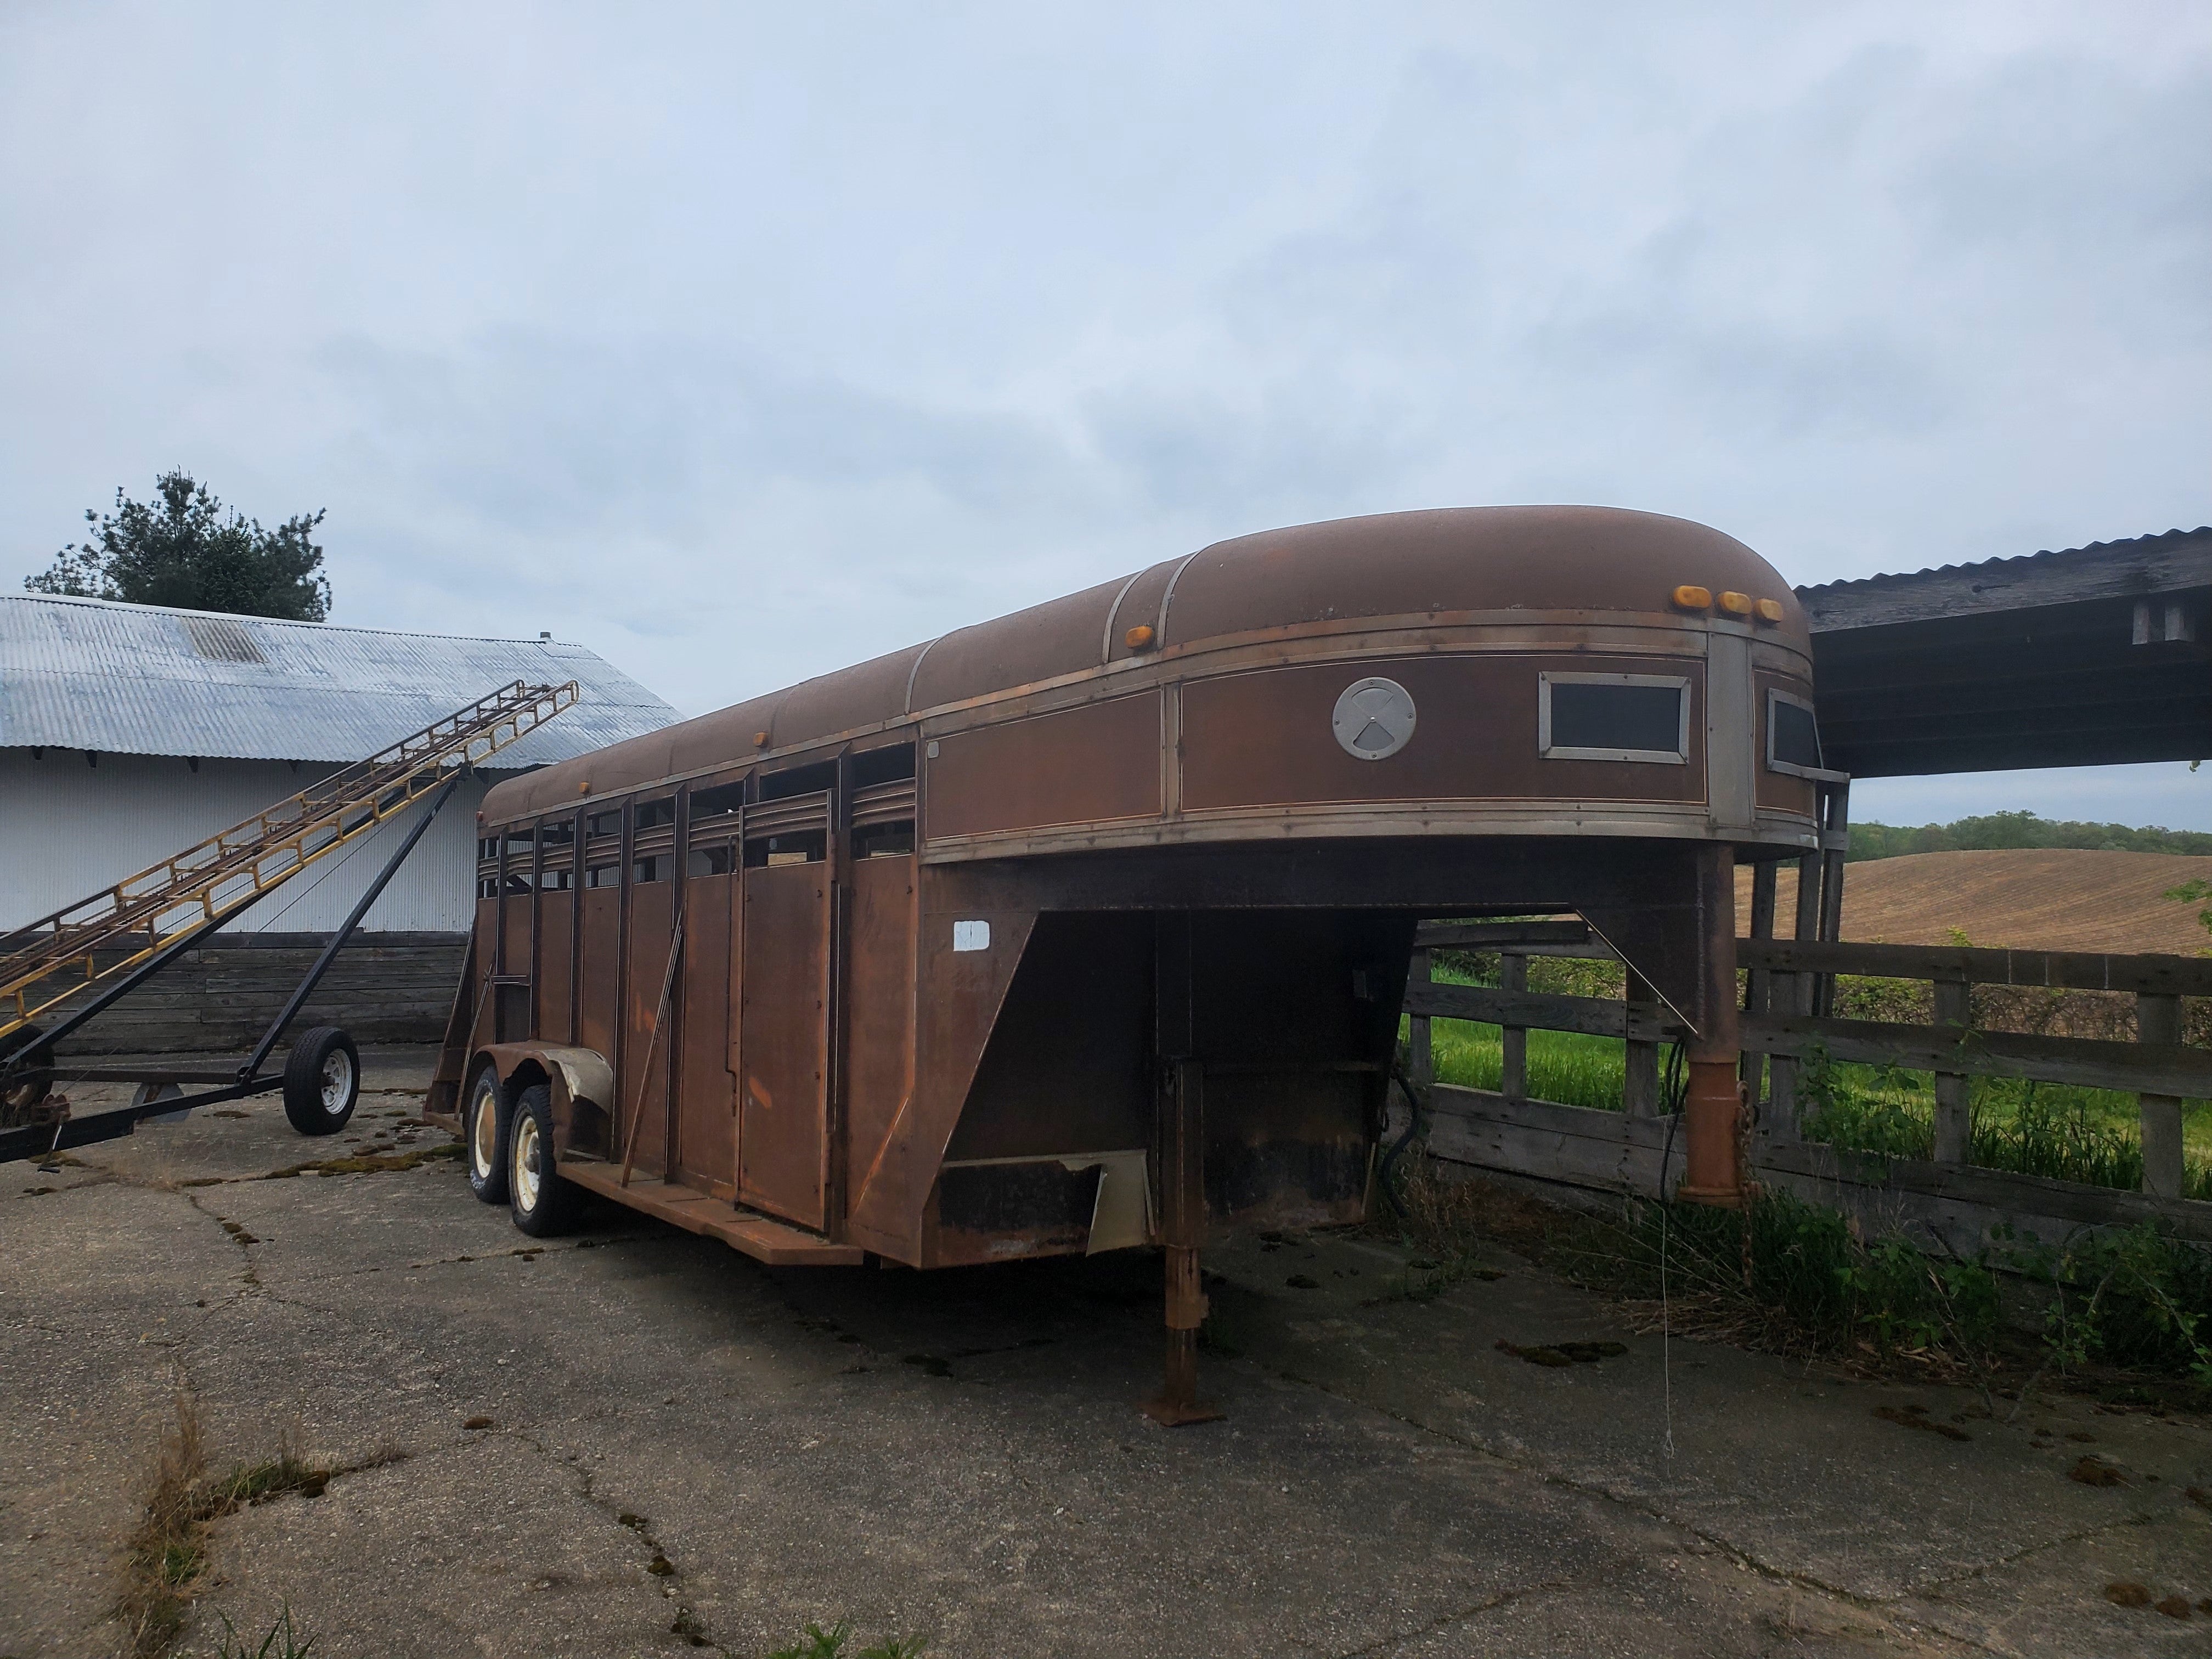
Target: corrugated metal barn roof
x,y
2165,542
138,679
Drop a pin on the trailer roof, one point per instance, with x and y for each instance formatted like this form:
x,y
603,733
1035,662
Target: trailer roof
x,y
141,679
1446,561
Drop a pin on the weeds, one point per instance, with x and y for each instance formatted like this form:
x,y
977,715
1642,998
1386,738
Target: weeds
x,y
232,1645
1787,1276
817,1642
167,1551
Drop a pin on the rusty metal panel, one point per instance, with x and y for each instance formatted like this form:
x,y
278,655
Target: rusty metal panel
x,y
1041,643
1075,1032
783,1053
1098,762
879,1012
1465,559
867,694
1140,608
1264,738
707,1129
516,922
557,927
596,1010
1778,792
644,1071
487,923
957,996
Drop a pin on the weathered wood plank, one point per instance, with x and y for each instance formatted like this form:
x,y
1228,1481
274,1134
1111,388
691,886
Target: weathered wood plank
x,y
1611,1153
1541,1009
2132,1067
2069,970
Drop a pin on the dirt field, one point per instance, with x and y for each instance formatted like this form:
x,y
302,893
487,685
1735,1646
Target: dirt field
x,y
2023,901
636,1441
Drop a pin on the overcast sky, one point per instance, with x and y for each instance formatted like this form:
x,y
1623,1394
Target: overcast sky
x,y
740,344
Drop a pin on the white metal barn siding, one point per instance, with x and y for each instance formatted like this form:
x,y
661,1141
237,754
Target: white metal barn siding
x,y
263,708
67,829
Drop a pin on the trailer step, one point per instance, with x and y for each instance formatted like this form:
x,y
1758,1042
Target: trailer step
x,y
770,1243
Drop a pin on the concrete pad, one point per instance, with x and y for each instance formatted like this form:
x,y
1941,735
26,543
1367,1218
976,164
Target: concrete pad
x,y
960,1454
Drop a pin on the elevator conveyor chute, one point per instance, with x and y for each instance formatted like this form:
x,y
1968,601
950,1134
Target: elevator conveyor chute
x,y
68,967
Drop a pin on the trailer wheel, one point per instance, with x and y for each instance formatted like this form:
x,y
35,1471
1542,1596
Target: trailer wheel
x,y
544,1200
322,1081
487,1121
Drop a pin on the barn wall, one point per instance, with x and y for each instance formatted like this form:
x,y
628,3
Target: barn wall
x,y
383,987
68,829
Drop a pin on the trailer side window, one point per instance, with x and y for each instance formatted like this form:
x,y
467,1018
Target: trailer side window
x,y
887,765
651,814
604,824
560,833
796,847
717,802
712,860
555,881
799,781
883,841
1793,737
1616,717
604,875
662,868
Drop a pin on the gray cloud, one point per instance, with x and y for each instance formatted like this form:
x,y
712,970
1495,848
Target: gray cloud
x,y
741,344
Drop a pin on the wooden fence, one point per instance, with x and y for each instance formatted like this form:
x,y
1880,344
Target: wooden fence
x,y
1787,981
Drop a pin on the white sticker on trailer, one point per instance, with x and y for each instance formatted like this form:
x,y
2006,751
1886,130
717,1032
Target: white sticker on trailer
x,y
971,935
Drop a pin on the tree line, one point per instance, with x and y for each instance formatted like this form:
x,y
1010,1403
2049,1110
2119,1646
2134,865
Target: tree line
x,y
1995,830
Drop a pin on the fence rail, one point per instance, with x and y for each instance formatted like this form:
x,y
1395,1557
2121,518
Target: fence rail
x,y
1790,979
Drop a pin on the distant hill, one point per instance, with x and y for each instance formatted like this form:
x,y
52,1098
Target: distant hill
x,y
2018,830
2033,899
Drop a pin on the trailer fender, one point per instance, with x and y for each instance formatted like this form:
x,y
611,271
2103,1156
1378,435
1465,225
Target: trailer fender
x,y
583,1084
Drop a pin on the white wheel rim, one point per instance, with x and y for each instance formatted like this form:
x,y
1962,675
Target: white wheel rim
x,y
526,1174
483,1132
337,1081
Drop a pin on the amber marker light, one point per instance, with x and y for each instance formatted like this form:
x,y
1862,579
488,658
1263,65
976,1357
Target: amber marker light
x,y
760,739
1691,597
1736,605
1770,610
1138,638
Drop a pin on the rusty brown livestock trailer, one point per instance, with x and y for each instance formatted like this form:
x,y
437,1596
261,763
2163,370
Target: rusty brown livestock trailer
x,y
1088,927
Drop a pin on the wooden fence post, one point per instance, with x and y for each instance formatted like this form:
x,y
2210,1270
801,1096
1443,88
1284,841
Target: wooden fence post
x,y
2158,1019
1953,1120
1420,1056
1513,1079
1759,984
1793,995
1639,1093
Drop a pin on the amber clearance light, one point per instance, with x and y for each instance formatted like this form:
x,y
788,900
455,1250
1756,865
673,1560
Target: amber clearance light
x,y
1691,597
1736,605
1770,610
1138,638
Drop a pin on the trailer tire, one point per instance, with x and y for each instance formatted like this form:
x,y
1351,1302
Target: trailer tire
x,y
545,1202
487,1125
322,1081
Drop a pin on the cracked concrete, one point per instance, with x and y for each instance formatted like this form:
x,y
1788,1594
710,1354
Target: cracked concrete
x,y
681,1451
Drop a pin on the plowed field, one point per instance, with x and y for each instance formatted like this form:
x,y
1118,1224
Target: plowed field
x,y
2027,900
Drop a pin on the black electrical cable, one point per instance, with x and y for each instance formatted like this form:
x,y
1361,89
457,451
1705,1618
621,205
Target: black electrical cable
x,y
1412,1128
